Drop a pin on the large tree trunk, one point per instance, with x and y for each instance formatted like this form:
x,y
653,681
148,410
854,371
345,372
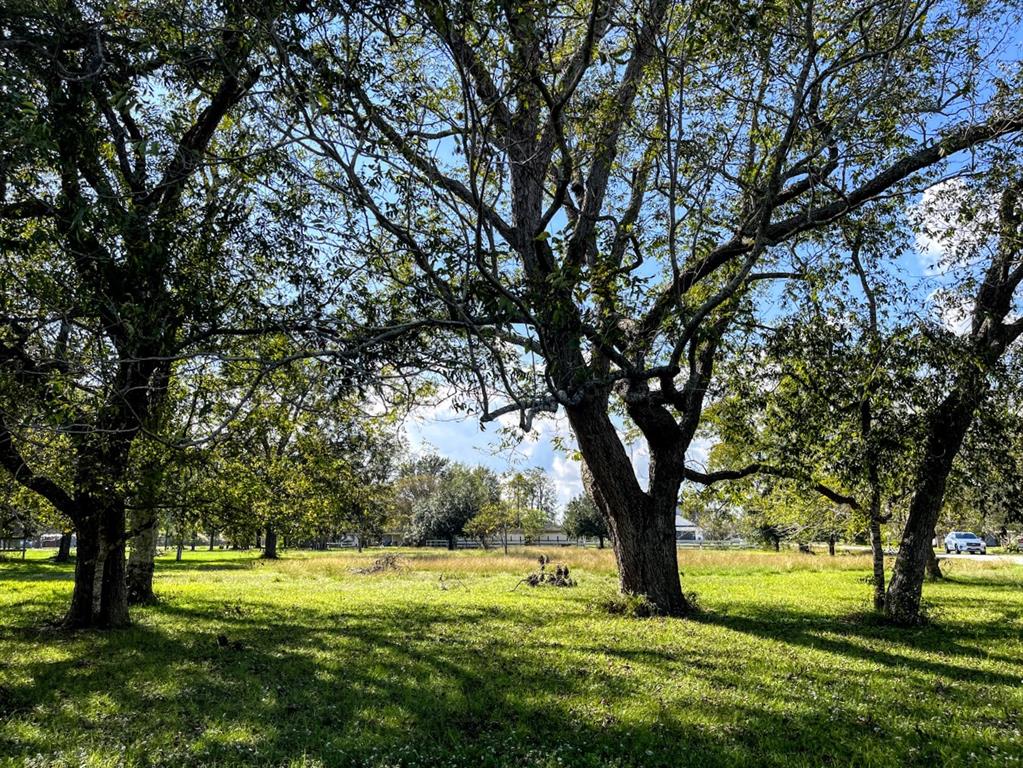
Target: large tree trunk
x,y
946,430
64,550
141,558
270,549
647,556
113,598
641,524
100,597
80,612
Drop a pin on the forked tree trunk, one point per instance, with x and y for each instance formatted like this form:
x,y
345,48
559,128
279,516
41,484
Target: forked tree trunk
x,y
100,597
831,545
641,524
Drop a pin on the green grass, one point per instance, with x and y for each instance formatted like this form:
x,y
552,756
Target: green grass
x,y
445,664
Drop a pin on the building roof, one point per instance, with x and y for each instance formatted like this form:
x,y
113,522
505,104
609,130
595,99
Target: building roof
x,y
682,522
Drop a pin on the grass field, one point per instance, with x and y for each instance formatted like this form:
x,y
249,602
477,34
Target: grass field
x,y
444,663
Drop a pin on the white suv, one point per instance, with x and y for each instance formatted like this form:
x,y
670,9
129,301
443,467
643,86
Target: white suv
x,y
960,541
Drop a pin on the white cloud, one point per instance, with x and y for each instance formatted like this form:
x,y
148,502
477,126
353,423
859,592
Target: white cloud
x,y
457,436
567,478
699,452
941,228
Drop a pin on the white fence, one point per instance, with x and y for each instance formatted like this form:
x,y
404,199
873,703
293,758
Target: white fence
x,y
707,544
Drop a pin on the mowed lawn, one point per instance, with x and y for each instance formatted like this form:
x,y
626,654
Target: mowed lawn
x,y
445,663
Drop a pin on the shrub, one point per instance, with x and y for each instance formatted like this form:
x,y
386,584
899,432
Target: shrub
x,y
628,604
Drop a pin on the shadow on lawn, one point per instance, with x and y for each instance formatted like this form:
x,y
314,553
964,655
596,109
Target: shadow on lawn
x,y
866,637
36,570
168,563
423,686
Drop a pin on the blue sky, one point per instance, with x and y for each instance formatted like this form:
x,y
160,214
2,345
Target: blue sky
x,y
440,429
459,437
452,433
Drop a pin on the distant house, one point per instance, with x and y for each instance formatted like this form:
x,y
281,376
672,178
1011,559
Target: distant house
x,y
553,534
686,530
53,540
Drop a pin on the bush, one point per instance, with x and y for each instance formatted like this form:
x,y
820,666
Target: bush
x,y
628,604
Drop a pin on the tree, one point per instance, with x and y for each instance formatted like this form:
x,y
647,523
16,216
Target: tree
x,y
582,518
300,458
494,518
997,242
531,499
985,490
417,481
460,495
886,411
582,203
118,233
821,402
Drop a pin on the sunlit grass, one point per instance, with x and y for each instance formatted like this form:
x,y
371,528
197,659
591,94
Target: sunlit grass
x,y
445,662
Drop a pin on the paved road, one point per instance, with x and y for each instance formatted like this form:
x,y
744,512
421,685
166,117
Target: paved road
x,y
1014,559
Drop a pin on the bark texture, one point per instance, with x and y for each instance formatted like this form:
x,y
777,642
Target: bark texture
x,y
270,546
933,566
947,424
64,549
641,524
141,561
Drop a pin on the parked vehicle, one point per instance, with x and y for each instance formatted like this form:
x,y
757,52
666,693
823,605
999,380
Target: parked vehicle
x,y
962,541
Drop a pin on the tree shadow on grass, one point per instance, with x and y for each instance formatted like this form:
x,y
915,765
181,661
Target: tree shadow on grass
x,y
203,682
36,570
239,562
337,691
866,637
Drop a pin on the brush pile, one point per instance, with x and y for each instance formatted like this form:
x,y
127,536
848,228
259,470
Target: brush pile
x,y
558,577
382,565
